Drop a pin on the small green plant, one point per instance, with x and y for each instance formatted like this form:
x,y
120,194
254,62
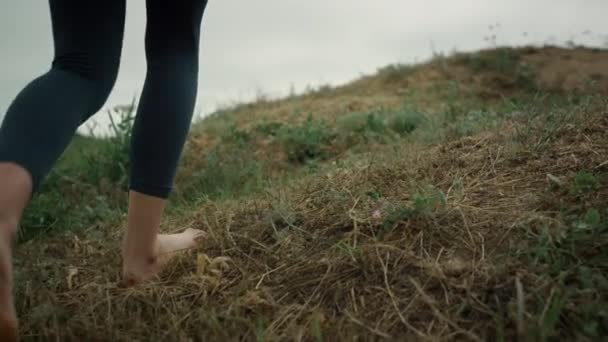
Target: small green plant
x,y
394,216
542,121
373,194
234,134
406,121
425,203
587,224
362,126
375,124
271,128
362,123
283,216
306,141
476,121
346,248
584,182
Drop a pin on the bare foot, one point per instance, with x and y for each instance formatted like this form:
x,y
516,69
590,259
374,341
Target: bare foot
x,y
136,270
8,317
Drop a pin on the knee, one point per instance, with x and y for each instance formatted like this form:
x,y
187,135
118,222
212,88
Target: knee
x,y
100,72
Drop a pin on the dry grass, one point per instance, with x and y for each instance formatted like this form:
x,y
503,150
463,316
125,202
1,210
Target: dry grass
x,y
464,239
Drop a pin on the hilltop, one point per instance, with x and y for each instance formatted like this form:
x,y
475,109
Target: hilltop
x,y
460,199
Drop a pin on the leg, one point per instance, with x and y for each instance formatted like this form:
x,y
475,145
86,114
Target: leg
x,y
161,126
13,200
42,119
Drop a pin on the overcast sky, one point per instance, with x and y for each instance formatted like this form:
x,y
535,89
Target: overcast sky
x,y
272,45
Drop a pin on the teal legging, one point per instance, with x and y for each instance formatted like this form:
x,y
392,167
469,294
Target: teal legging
x,y
88,36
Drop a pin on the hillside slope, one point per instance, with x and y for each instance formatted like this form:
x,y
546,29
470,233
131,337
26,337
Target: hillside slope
x,y
461,199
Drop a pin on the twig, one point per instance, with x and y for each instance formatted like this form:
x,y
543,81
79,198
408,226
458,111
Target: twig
x,y
372,330
602,164
392,296
355,226
521,309
430,302
466,226
257,286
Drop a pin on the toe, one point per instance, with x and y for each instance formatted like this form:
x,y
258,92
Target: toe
x,y
196,234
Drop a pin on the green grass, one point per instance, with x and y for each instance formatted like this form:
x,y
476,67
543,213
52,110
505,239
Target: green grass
x,y
575,264
306,141
87,186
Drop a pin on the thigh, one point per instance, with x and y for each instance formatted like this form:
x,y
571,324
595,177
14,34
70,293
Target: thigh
x,y
88,35
173,26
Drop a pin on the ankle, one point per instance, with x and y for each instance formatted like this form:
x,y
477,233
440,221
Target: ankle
x,y
8,229
139,264
139,252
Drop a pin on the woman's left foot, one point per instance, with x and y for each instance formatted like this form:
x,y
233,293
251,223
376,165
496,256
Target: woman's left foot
x,y
167,245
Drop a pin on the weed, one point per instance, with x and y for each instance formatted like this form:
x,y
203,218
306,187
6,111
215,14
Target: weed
x,y
283,213
97,168
542,121
573,258
583,182
374,195
271,128
346,248
52,211
396,72
406,121
305,141
362,123
226,172
234,134
394,216
425,203
110,159
362,127
476,121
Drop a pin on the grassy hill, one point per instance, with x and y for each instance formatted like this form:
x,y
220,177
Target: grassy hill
x,y
461,199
